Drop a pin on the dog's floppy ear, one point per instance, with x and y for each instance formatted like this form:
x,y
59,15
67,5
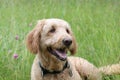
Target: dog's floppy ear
x,y
73,49
33,38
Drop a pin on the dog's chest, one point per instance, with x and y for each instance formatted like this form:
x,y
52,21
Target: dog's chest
x,y
65,75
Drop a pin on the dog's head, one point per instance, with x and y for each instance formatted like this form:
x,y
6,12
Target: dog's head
x,y
53,37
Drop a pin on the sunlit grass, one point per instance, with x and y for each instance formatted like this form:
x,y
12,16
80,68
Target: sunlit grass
x,y
95,23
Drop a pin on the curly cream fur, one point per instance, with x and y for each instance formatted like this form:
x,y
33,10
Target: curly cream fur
x,y
40,38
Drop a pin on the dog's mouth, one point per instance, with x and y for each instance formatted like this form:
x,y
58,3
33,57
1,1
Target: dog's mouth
x,y
60,53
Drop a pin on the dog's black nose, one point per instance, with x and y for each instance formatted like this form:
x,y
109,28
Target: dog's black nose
x,y
67,42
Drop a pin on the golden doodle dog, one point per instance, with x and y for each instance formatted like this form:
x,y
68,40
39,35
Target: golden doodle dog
x,y
51,40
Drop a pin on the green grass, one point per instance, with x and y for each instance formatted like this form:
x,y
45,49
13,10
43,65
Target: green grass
x,y
95,23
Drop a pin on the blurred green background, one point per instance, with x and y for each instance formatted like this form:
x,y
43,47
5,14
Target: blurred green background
x,y
95,23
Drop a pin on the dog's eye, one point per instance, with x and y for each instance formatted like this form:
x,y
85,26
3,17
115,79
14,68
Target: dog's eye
x,y
67,31
52,30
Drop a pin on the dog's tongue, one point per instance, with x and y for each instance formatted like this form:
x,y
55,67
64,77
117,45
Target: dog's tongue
x,y
61,54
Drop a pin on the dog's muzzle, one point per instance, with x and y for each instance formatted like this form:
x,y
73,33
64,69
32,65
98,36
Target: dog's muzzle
x,y
61,53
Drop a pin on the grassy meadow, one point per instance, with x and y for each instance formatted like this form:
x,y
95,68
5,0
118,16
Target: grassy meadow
x,y
95,23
